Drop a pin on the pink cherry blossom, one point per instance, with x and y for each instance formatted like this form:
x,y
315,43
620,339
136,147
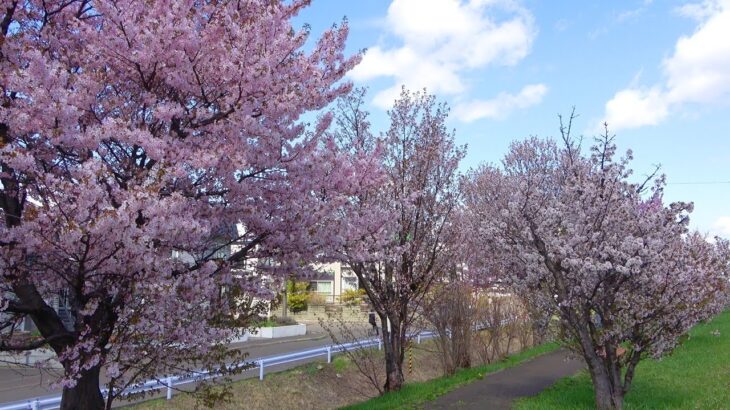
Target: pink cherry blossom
x,y
617,265
130,131
396,228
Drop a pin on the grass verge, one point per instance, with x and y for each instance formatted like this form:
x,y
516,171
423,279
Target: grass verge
x,y
695,376
414,394
314,385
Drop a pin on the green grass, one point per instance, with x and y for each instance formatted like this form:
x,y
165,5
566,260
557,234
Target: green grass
x,y
341,363
414,394
266,323
695,376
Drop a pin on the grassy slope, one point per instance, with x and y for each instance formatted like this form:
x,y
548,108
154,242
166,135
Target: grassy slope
x,y
695,376
413,394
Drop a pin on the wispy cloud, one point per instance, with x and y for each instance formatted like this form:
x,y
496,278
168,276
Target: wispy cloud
x,y
562,25
634,13
502,105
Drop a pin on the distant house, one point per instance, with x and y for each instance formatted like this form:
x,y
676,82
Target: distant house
x,y
219,246
61,304
329,281
332,280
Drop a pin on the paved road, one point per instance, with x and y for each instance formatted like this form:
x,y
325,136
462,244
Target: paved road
x,y
497,391
20,384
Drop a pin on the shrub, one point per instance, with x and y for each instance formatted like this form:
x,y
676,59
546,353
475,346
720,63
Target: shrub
x,y
297,296
452,311
352,297
264,322
317,299
274,321
284,321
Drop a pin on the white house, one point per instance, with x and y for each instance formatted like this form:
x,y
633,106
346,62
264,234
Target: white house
x,y
329,281
332,280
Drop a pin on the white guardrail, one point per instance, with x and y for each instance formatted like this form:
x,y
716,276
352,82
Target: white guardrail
x,y
169,382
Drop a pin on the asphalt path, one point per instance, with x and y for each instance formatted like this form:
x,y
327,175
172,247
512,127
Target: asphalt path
x,y
499,390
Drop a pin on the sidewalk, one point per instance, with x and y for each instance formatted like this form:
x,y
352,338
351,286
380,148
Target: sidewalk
x,y
499,390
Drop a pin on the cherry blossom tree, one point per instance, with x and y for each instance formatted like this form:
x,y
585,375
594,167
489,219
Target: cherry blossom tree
x,y
395,228
616,264
131,131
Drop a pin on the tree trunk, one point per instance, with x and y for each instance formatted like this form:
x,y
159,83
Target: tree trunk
x,y
607,395
393,358
539,332
393,373
463,358
85,395
607,387
285,303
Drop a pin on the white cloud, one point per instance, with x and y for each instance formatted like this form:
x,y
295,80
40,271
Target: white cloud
x,y
408,67
697,72
439,41
635,107
502,105
721,227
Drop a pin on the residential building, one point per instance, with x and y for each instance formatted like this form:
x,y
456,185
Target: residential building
x,y
332,280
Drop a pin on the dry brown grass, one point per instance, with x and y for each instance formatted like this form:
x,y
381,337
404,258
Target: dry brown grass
x,y
312,386
320,385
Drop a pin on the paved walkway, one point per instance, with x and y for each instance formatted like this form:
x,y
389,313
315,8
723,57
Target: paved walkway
x,y
498,390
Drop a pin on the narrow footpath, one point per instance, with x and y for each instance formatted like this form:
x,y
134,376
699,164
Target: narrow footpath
x,y
499,390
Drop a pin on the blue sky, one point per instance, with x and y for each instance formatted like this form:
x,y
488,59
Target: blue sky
x,y
657,71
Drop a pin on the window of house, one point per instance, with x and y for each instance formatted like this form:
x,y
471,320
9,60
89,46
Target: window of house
x,y
321,286
349,282
325,274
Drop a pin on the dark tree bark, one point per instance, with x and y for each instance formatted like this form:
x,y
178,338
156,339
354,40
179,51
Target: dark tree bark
x,y
604,367
393,345
86,394
608,396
